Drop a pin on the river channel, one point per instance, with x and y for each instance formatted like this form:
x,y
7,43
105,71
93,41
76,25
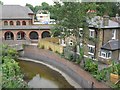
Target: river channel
x,y
40,76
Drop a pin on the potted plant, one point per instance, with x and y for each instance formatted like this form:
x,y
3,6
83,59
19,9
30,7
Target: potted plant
x,y
115,72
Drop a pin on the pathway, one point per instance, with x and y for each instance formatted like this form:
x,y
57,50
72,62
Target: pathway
x,y
33,51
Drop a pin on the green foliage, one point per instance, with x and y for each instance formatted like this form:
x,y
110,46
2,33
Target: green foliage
x,y
42,47
78,60
1,3
70,57
114,68
62,55
116,86
50,49
110,8
118,67
7,51
57,52
101,75
91,66
11,73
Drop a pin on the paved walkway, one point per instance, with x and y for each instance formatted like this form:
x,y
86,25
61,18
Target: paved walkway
x,y
50,55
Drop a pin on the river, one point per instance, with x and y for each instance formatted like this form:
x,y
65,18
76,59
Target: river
x,y
40,76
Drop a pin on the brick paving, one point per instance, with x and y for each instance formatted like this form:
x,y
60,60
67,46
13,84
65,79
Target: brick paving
x,y
71,65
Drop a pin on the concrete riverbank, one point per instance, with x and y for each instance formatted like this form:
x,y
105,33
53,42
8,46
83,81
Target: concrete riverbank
x,y
83,78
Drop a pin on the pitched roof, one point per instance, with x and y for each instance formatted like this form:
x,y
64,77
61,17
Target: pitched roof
x,y
15,12
111,23
30,27
112,45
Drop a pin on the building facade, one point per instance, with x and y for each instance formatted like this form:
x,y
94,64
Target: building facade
x,y
103,41
17,24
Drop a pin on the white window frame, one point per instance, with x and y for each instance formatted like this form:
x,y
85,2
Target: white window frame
x,y
91,46
90,34
114,34
106,54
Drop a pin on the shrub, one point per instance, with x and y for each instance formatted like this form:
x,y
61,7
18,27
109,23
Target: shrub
x,y
101,75
57,52
78,60
11,73
42,47
91,66
70,57
50,49
62,54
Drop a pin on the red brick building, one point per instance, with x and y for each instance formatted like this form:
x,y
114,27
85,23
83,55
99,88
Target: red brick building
x,y
17,24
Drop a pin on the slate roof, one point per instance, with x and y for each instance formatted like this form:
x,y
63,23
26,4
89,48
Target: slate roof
x,y
15,12
111,24
112,45
30,27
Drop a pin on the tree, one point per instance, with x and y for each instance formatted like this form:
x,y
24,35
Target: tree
x,y
45,6
110,8
1,3
70,17
11,73
30,6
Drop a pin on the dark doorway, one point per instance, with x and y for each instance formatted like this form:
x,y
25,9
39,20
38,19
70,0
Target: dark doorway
x,y
21,35
34,35
9,36
45,34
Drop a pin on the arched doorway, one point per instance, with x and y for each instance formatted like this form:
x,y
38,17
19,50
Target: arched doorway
x,y
21,35
33,35
45,34
9,35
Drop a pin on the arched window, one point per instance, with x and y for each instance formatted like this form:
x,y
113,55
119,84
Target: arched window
x,y
9,35
11,22
23,23
21,35
33,35
5,23
45,34
18,23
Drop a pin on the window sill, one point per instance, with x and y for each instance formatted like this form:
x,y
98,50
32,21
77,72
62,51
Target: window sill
x,y
104,57
90,53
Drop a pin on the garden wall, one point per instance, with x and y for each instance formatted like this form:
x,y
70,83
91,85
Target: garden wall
x,y
51,44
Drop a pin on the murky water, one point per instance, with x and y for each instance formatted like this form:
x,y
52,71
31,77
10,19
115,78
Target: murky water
x,y
40,76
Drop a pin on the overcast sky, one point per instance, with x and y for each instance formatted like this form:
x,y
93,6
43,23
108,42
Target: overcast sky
x,y
23,2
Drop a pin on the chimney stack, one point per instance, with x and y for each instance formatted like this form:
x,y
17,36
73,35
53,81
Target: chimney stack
x,y
117,17
105,20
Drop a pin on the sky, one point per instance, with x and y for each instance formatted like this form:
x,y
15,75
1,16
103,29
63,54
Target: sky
x,y
23,2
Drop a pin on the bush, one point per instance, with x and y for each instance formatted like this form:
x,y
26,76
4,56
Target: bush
x,y
101,75
42,47
62,54
70,57
50,49
78,60
57,52
91,66
11,73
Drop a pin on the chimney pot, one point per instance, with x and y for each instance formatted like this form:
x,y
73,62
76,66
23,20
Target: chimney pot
x,y
105,20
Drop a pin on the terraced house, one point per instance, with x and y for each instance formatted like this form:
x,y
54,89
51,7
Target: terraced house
x,y
103,43
17,24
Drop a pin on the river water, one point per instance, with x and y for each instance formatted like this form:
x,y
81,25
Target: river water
x,y
40,76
